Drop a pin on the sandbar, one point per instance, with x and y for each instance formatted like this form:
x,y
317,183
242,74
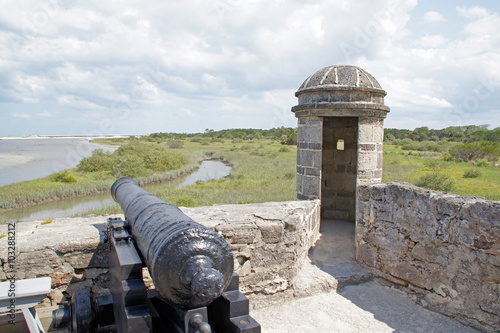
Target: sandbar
x,y
10,160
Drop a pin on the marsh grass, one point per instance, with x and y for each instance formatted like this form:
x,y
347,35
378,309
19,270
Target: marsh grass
x,y
411,168
47,189
261,173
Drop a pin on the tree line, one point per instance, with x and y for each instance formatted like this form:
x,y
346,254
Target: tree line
x,y
286,135
469,133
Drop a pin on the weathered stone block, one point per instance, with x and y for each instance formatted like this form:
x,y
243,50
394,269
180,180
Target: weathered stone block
x,y
310,130
311,186
368,147
363,193
409,273
366,254
246,235
271,231
367,160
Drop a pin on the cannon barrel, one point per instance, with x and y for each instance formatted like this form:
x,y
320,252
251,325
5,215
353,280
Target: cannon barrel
x,y
190,264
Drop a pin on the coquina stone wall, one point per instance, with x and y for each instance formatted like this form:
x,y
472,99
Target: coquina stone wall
x,y
444,248
270,242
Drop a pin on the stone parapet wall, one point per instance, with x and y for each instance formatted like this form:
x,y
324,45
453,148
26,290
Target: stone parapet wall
x,y
444,248
270,242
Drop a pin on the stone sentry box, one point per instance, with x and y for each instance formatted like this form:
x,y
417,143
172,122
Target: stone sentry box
x,y
340,137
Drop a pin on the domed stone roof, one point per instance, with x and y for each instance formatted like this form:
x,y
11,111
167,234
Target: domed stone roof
x,y
341,91
340,77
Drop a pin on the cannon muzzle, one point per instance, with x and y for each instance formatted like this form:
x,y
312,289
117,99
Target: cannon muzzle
x,y
190,264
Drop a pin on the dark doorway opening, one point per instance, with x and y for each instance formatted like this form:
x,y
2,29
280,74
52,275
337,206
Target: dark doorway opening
x,y
339,168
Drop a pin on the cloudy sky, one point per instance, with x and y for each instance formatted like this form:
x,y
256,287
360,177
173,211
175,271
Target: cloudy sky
x,y
133,67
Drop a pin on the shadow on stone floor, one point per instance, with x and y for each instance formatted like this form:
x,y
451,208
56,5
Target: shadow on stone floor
x,y
334,253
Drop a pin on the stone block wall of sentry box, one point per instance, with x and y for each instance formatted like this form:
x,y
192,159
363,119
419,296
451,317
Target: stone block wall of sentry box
x,y
309,148
340,137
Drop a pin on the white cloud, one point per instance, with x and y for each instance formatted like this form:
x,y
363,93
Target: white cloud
x,y
418,93
433,17
431,41
76,102
475,12
44,114
483,24
29,100
22,115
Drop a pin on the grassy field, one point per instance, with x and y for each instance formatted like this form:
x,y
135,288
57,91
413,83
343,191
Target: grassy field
x,y
263,170
411,166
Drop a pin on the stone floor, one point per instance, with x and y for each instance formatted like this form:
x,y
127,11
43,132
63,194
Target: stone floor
x,y
360,303
334,254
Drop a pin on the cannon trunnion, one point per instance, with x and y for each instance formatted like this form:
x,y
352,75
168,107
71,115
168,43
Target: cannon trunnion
x,y
191,266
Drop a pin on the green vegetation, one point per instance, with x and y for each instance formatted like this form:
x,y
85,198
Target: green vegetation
x,y
461,134
133,159
472,173
47,221
475,151
461,160
411,167
442,159
146,162
436,181
3,235
262,172
63,177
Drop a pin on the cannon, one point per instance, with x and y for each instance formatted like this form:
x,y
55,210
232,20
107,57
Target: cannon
x,y
191,267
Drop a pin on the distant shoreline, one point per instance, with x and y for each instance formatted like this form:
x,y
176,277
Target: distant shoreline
x,y
89,137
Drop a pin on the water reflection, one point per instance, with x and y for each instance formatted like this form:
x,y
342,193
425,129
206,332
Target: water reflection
x,y
208,170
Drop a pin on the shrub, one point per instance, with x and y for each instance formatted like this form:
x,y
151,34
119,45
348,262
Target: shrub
x,y
63,177
431,164
291,139
99,161
152,157
447,157
475,151
162,160
482,163
175,144
128,166
284,149
410,146
184,201
472,173
436,181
